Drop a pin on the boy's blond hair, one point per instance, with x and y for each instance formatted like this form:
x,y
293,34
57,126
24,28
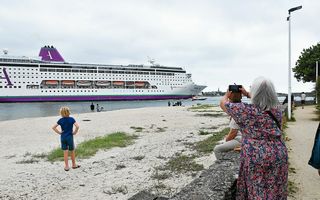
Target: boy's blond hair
x,y
64,111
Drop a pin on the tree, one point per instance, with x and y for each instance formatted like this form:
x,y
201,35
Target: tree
x,y
305,68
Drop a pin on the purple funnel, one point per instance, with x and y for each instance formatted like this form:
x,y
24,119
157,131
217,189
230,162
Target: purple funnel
x,y
48,53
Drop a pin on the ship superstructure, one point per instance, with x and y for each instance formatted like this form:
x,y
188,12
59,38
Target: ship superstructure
x,y
53,79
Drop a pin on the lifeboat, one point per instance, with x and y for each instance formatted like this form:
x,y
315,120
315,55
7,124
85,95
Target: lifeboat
x,y
83,83
51,82
103,83
140,83
67,83
118,83
129,83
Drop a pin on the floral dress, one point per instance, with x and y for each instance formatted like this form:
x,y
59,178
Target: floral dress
x,y
263,170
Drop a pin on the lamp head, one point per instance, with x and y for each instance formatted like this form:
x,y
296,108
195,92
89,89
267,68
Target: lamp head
x,y
294,9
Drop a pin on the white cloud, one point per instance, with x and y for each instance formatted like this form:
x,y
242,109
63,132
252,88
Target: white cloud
x,y
219,42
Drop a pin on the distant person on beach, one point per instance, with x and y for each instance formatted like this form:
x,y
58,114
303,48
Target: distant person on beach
x,y
303,99
66,124
315,156
285,101
169,104
92,107
99,108
233,139
263,172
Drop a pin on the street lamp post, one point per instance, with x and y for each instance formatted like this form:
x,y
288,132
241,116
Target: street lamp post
x,y
317,76
289,61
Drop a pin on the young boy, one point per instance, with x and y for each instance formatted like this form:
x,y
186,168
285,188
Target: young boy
x,y
66,123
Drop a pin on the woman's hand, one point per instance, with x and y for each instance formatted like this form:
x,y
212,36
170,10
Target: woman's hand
x,y
244,92
224,99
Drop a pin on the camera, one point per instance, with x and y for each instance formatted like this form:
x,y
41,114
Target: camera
x,y
235,88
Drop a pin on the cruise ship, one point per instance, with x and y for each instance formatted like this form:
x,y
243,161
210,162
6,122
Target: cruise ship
x,y
51,78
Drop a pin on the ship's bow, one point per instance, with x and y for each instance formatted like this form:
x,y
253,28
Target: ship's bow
x,y
196,89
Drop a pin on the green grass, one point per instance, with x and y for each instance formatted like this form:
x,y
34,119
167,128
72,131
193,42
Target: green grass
x,y
292,188
210,127
210,115
317,112
204,132
201,111
120,166
27,154
115,190
138,157
89,148
201,106
28,161
41,155
160,176
182,164
293,119
161,129
137,129
206,146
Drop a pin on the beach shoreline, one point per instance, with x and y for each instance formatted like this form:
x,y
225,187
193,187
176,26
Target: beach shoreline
x,y
98,177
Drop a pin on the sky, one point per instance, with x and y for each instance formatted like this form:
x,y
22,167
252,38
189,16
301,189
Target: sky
x,y
220,42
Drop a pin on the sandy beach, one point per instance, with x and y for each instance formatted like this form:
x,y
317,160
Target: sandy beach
x,y
301,134
99,177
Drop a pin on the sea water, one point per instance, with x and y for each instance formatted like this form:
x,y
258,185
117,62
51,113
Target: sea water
x,y
11,111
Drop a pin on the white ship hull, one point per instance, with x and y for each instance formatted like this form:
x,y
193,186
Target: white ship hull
x,y
48,81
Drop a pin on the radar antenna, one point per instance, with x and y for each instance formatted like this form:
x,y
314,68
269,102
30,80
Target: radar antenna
x,y
151,61
5,51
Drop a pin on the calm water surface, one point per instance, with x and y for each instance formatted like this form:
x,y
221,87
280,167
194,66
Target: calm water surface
x,y
11,111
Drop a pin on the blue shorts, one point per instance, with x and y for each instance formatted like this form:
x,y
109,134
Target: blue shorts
x,y
67,143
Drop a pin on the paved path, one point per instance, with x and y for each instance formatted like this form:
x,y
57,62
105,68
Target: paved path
x,y
302,133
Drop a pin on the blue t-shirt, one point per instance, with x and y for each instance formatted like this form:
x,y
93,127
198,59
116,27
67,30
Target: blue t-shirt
x,y
66,124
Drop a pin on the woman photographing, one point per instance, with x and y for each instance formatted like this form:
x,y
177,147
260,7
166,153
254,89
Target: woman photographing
x,y
263,170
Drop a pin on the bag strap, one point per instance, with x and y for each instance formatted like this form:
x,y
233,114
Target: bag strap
x,y
274,119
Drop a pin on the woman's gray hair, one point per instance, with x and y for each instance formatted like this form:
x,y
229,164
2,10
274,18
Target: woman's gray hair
x,y
263,93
